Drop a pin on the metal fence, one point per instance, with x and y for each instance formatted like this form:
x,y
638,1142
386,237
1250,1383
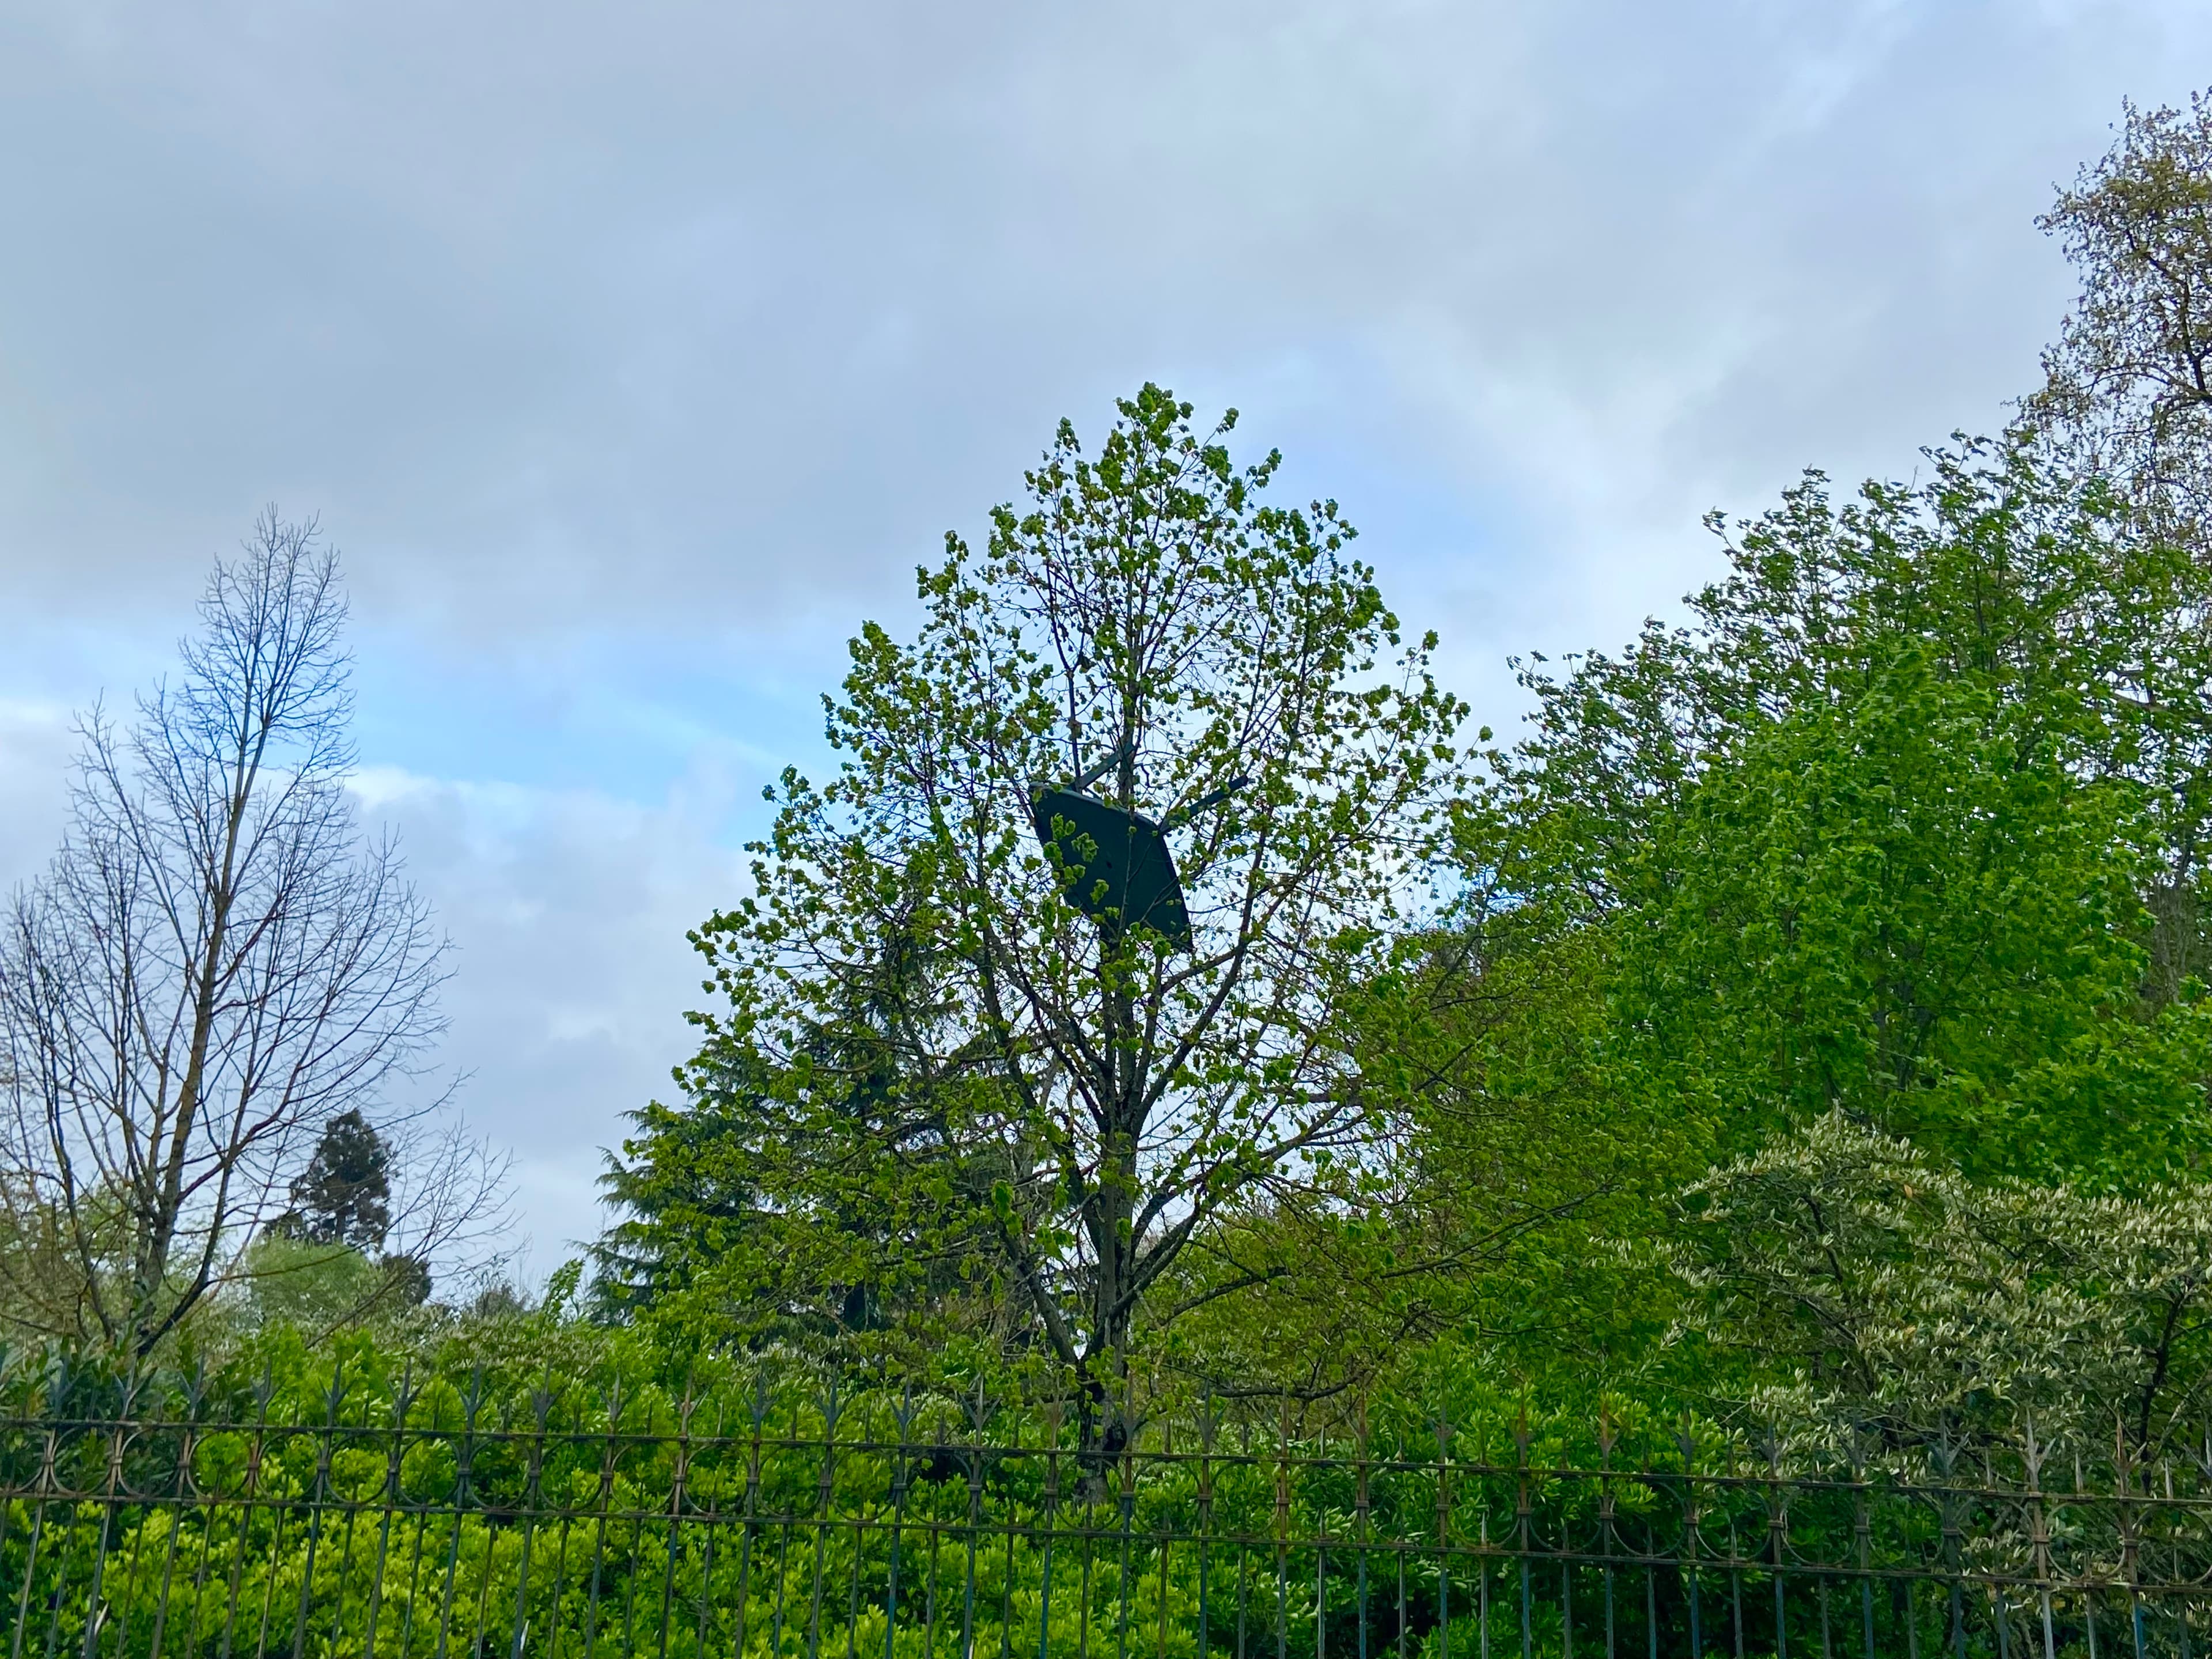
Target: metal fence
x,y
441,1520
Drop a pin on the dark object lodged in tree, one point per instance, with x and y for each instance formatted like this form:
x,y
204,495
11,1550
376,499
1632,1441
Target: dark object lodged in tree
x,y
1117,867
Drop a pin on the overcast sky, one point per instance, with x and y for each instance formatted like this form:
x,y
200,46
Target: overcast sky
x,y
634,354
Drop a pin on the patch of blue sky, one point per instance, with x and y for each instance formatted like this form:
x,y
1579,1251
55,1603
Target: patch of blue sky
x,y
637,717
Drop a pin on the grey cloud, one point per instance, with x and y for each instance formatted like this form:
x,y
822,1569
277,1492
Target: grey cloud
x,y
687,317
36,745
568,911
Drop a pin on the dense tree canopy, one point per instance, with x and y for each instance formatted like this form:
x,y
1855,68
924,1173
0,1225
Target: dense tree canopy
x,y
1890,850
1880,830
344,1194
1879,1291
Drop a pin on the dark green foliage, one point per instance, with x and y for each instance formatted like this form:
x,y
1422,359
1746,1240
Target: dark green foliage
x,y
409,1281
1899,827
1877,1292
344,1194
321,1261
747,1221
1899,838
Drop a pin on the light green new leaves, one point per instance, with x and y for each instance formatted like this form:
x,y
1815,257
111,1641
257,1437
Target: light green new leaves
x,y
1933,1313
1903,825
952,1063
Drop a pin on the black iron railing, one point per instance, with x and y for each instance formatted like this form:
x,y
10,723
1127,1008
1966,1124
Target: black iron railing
x,y
448,1519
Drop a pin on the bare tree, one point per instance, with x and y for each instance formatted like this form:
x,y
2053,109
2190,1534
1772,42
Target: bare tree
x,y
217,963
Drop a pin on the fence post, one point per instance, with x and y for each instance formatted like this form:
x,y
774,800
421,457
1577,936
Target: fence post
x,y
904,1416
322,1439
2123,1501
1524,1529
1778,1533
95,1613
1605,1532
1051,1506
471,1403
757,1408
1954,1563
541,1404
674,1540
1205,1433
1690,1540
822,1507
394,1456
193,1389
1443,1537
1362,1521
975,1460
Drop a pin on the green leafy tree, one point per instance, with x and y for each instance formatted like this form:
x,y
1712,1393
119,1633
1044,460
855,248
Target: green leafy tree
x,y
681,1187
319,1265
319,1288
693,1185
738,1211
1520,1161
923,1038
1875,832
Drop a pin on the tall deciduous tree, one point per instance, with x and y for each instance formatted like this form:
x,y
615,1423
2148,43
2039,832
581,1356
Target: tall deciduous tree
x,y
1875,833
218,965
939,1064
